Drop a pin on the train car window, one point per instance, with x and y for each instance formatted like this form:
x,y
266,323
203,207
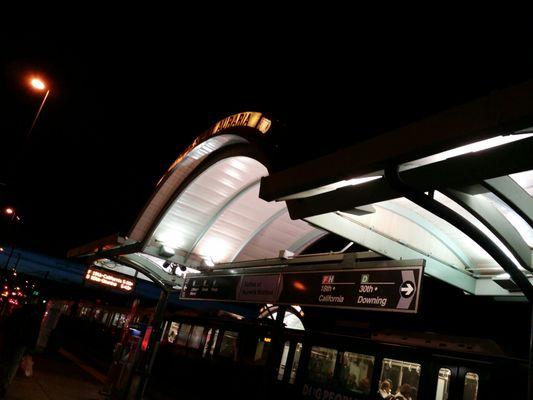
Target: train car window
x,y
173,332
400,378
207,343
284,355
214,342
116,319
295,362
122,320
471,386
262,350
183,334
443,384
195,339
228,346
321,364
356,372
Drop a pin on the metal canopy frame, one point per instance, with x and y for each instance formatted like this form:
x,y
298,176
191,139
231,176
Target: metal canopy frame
x,y
504,111
327,196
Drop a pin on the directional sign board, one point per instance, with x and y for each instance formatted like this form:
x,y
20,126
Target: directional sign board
x,y
380,287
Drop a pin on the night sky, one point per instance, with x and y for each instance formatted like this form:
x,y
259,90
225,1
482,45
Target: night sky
x,y
123,106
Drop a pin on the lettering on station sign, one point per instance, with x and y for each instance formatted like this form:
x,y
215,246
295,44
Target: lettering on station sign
x,y
250,119
109,279
380,288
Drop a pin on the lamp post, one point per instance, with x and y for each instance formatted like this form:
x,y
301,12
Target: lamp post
x,y
11,213
39,85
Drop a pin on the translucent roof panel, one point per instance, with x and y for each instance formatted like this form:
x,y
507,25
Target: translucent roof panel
x,y
521,226
280,233
176,174
525,180
209,193
219,217
235,225
404,221
452,239
473,220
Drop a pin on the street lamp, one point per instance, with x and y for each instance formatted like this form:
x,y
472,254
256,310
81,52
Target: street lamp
x,y
39,85
13,219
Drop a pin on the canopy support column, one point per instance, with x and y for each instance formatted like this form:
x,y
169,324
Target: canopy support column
x,y
147,360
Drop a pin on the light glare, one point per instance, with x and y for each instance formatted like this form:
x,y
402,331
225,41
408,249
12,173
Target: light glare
x,y
38,84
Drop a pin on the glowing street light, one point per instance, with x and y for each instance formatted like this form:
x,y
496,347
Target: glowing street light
x,y
9,211
38,84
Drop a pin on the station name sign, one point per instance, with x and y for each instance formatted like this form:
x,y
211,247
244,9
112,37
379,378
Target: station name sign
x,y
101,277
248,119
379,288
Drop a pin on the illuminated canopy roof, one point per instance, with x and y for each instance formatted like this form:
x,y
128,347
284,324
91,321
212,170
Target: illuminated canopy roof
x,y
206,209
476,160
215,208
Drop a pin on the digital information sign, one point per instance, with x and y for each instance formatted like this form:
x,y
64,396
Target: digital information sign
x,y
113,280
387,288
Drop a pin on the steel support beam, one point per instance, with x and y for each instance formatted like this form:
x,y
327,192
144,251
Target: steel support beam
x,y
491,163
485,212
463,225
513,195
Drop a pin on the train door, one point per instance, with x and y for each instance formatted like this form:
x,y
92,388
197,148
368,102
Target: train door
x,y
459,381
443,377
287,369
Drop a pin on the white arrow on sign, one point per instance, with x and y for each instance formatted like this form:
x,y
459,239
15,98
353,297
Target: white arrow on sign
x,y
407,290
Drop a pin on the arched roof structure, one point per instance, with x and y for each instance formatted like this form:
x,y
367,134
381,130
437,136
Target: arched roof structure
x,y
473,162
214,207
206,209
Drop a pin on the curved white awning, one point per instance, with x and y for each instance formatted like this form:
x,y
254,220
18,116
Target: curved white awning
x,y
206,210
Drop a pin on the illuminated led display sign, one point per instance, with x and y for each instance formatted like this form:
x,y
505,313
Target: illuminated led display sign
x,y
100,277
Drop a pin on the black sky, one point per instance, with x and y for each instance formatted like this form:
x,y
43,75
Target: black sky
x,y
123,106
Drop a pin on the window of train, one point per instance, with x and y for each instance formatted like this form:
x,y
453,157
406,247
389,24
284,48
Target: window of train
x,y
471,386
116,319
173,332
195,339
402,377
355,373
207,343
214,342
295,362
321,364
183,334
262,350
443,384
228,346
284,355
